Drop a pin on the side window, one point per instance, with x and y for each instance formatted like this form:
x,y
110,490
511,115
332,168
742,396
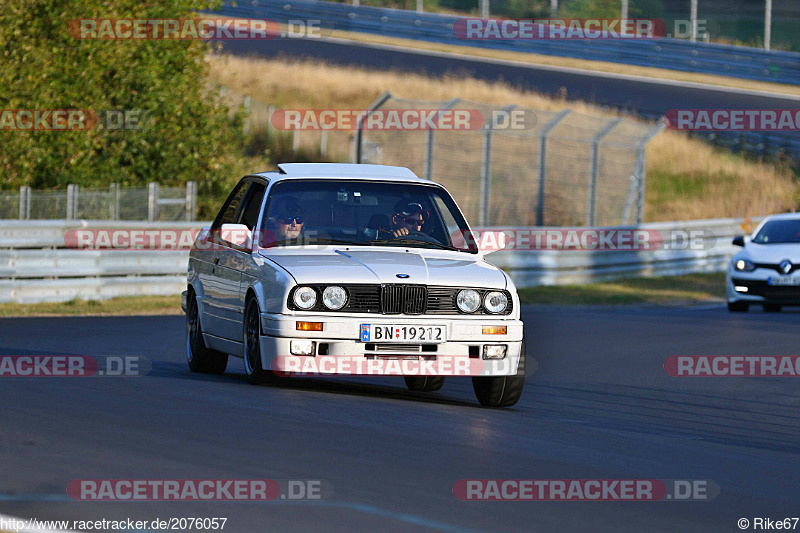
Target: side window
x,y
227,214
252,205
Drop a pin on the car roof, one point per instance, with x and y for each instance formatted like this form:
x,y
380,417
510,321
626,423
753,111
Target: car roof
x,y
785,216
342,170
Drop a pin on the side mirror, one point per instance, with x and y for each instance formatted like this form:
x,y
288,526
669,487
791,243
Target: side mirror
x,y
738,241
238,235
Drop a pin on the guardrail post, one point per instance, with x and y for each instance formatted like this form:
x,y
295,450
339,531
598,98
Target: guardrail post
x,y
420,7
114,187
484,9
543,162
360,127
590,218
641,173
767,24
25,202
72,202
152,202
191,200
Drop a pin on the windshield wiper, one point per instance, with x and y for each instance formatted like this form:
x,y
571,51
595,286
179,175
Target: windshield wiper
x,y
416,242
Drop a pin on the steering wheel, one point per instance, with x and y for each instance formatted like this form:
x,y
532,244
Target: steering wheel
x,y
418,236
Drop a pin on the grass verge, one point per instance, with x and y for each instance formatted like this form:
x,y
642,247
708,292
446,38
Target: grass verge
x,y
666,290
125,305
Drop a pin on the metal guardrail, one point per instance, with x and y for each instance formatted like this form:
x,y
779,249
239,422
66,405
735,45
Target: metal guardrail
x,y
675,54
35,266
712,252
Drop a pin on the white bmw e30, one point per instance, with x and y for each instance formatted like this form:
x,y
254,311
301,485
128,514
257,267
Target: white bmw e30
x,y
355,263
765,271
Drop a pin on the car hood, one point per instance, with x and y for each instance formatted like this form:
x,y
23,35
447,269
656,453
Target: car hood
x,y
773,253
432,267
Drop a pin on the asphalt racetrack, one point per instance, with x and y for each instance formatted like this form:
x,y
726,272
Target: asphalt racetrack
x,y
640,95
600,406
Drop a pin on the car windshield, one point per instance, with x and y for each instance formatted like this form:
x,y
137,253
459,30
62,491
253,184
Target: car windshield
x,y
779,232
361,212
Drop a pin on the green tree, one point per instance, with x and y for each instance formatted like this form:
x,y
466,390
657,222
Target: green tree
x,y
185,133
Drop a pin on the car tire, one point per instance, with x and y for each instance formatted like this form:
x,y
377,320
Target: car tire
x,y
772,308
251,347
738,307
200,358
501,391
424,383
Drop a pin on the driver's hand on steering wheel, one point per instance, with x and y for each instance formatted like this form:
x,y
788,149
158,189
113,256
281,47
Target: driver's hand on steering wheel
x,y
400,232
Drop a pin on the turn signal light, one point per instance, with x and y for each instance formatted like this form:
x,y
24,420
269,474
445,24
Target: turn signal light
x,y
495,330
309,326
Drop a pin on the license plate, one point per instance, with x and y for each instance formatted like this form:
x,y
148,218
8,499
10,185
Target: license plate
x,y
403,333
784,281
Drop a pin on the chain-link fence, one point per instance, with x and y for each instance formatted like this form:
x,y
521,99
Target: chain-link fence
x,y
153,203
560,169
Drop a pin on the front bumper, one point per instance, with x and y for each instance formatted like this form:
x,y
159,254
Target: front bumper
x,y
758,289
340,338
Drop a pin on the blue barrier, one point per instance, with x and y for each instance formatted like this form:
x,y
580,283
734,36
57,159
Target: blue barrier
x,y
674,54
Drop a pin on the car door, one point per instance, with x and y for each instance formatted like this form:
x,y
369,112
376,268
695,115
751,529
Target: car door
x,y
217,281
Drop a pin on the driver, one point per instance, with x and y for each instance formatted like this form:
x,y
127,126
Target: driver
x,y
287,221
409,217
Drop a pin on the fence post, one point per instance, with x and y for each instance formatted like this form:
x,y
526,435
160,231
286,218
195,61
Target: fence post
x,y
590,219
295,141
246,105
428,154
115,206
641,173
191,200
360,131
543,162
270,127
486,169
72,202
152,202
323,144
25,202
420,7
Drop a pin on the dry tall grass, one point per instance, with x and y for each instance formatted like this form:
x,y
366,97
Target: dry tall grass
x,y
686,178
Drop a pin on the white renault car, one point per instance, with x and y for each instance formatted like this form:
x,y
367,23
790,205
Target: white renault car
x,y
765,272
363,264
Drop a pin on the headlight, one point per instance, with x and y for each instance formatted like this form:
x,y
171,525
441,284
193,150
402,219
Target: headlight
x,y
743,265
468,300
495,302
334,297
305,297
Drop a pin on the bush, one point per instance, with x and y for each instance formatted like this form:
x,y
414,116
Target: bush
x,y
184,134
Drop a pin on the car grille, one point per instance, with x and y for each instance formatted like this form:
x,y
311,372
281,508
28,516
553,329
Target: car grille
x,y
396,299
406,299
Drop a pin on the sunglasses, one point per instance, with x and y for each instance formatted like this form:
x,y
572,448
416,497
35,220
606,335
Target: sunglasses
x,y
412,221
289,220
